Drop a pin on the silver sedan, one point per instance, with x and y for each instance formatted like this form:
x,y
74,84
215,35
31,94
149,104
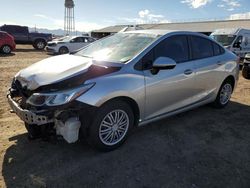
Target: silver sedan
x,y
125,80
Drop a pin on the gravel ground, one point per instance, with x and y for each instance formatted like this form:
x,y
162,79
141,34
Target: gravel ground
x,y
200,148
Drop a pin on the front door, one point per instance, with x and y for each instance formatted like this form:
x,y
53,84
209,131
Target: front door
x,y
169,90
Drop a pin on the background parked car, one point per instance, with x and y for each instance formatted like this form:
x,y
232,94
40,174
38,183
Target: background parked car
x,y
68,44
234,39
22,35
7,43
246,67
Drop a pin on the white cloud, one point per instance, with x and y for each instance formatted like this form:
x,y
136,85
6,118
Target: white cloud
x,y
229,5
240,16
196,3
41,16
145,16
143,13
221,6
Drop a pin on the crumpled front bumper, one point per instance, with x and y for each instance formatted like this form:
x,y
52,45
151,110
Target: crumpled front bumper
x,y
27,115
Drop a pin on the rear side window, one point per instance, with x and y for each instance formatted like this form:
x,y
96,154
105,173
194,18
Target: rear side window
x,y
218,50
20,30
175,47
201,47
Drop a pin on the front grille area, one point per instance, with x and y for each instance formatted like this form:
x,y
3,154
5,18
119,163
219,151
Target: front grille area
x,y
51,44
19,94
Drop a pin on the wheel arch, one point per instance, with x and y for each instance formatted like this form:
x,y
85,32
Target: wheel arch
x,y
39,39
132,103
231,79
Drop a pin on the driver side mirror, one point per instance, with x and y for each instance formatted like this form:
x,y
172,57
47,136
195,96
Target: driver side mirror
x,y
163,63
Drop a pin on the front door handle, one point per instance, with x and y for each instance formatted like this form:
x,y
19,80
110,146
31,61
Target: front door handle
x,y
188,72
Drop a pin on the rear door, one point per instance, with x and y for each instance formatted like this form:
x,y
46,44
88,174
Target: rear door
x,y
169,90
209,66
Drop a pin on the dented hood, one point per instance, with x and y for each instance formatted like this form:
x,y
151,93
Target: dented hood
x,y
52,70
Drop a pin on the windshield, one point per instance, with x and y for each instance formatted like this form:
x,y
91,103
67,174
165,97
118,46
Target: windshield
x,y
224,40
64,39
120,47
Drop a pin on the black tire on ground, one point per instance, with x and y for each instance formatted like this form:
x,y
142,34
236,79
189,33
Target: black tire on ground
x,y
34,131
224,94
6,49
123,120
246,72
39,44
63,50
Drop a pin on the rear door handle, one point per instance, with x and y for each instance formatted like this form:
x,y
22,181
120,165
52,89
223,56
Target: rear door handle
x,y
219,63
188,72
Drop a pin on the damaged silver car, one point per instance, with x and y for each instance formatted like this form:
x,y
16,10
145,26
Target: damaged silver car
x,y
125,80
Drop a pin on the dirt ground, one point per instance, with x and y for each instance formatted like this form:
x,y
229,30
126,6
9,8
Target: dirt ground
x,y
200,148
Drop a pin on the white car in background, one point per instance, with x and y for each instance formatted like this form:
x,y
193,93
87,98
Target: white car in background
x,y
68,44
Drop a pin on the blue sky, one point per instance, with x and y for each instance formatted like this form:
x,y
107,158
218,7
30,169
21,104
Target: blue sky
x,y
95,14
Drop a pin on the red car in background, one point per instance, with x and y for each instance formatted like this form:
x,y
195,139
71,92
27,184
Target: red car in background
x,y
7,43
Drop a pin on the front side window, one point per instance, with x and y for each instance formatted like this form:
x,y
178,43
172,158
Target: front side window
x,y
90,39
77,40
201,47
120,47
175,47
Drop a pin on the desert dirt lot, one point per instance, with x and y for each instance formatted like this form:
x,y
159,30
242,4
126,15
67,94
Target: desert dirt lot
x,y
200,148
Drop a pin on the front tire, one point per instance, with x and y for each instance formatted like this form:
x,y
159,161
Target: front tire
x,y
6,49
39,44
224,94
34,131
63,50
111,126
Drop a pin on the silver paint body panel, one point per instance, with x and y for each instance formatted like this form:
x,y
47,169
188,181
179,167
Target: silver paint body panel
x,y
170,91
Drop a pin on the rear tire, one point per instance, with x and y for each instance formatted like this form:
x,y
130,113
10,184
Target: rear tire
x,y
111,126
246,72
6,49
224,94
63,50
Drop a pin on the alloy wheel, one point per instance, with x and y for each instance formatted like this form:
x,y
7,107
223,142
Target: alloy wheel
x,y
6,49
114,127
225,93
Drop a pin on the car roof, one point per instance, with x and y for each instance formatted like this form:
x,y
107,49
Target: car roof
x,y
164,32
3,32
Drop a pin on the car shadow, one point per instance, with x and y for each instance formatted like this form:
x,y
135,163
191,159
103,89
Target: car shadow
x,y
199,148
7,55
28,50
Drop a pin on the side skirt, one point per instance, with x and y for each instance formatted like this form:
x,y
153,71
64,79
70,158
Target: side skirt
x,y
180,110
